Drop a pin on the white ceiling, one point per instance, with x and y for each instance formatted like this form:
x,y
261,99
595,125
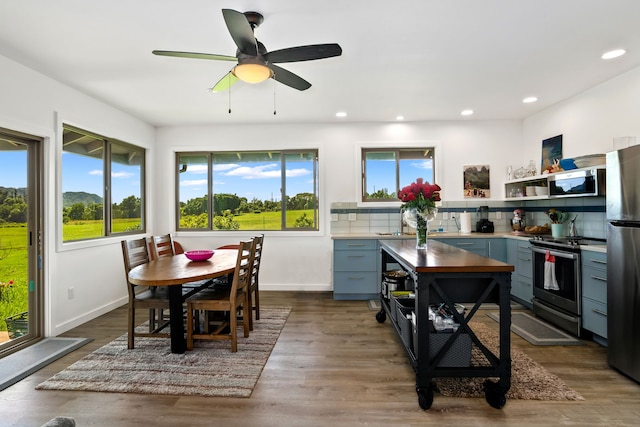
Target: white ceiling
x,y
423,59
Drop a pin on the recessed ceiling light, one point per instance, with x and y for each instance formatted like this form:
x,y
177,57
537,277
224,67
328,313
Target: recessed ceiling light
x,y
341,114
613,53
399,117
466,112
529,99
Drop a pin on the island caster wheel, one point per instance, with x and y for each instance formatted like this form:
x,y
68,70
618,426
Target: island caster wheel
x,y
425,397
381,316
494,396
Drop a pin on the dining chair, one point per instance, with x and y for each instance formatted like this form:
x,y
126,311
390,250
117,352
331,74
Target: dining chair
x,y
253,293
226,300
154,300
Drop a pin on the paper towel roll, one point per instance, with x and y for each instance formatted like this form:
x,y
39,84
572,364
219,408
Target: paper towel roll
x,y
465,223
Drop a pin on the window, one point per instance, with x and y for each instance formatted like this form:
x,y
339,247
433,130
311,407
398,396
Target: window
x,y
386,170
102,186
254,190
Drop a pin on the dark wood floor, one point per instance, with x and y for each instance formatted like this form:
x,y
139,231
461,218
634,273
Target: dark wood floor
x,y
332,365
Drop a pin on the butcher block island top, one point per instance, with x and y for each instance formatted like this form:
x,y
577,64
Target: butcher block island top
x,y
442,258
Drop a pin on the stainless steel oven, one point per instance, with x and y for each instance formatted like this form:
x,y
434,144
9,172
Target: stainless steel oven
x,y
561,306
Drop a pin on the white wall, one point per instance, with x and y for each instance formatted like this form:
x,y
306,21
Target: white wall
x,y
589,121
37,105
302,261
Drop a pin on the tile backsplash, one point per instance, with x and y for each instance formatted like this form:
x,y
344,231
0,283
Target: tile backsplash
x,y
348,217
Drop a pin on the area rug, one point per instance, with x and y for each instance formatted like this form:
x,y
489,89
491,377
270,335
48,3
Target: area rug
x,y
529,380
210,369
24,362
536,331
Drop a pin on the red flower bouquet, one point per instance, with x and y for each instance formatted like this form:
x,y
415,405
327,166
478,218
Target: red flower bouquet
x,y
420,195
419,206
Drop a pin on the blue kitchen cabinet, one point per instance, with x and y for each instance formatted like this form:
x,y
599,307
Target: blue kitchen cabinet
x,y
475,245
594,293
355,269
519,255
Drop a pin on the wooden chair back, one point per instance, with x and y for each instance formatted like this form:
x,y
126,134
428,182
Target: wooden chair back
x,y
134,253
242,273
162,246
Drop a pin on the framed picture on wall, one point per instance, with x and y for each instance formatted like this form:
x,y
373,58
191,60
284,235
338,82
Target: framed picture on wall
x,y
551,150
476,181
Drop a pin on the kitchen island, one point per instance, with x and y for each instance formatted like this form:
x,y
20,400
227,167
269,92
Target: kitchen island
x,y
447,275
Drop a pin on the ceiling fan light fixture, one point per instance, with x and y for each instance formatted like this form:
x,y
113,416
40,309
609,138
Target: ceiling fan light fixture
x,y
252,73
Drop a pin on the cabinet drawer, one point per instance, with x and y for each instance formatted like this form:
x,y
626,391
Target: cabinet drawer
x,y
594,317
354,260
355,282
595,260
477,246
347,245
522,287
524,261
594,284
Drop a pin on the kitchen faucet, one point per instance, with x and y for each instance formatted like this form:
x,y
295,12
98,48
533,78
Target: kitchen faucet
x,y
572,227
401,221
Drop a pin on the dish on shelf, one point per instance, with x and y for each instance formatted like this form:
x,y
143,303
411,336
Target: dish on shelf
x,y
542,191
530,191
589,160
520,173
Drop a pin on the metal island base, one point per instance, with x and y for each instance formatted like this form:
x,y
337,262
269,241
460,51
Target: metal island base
x,y
444,275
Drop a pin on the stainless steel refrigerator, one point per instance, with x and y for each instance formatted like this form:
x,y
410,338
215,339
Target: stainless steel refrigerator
x,y
623,260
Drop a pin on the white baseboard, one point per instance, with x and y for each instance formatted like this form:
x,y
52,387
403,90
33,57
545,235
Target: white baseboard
x,y
319,287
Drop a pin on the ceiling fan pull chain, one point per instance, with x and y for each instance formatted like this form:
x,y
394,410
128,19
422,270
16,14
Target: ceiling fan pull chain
x,y
229,77
274,97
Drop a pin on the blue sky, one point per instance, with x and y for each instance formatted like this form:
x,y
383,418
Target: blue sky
x,y
256,179
260,180
381,173
82,173
13,169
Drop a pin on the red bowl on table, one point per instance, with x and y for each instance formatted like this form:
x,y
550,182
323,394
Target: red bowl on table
x,y
199,255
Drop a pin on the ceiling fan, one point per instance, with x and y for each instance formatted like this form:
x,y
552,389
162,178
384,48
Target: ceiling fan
x,y
255,63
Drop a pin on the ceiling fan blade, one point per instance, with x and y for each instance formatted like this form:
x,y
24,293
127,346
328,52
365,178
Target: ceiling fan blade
x,y
225,82
304,53
288,78
241,31
195,55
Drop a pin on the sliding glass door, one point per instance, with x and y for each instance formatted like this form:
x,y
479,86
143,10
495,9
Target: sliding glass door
x,y
20,240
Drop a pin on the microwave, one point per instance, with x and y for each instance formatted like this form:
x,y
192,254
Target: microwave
x,y
578,183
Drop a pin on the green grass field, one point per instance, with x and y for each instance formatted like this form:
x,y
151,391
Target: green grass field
x,y
13,267
269,220
79,230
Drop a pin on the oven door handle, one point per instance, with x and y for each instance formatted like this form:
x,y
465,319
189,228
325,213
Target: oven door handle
x,y
567,255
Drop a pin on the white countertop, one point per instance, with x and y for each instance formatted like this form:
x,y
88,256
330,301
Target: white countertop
x,y
382,236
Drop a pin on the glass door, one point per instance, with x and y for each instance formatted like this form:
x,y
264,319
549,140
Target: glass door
x,y
20,240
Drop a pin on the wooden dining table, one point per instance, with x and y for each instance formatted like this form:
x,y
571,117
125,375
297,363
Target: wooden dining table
x,y
173,272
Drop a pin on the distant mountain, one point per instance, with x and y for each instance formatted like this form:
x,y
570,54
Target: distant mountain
x,y
71,197
13,191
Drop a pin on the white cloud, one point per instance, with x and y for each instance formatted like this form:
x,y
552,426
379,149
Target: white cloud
x,y
121,174
95,172
197,168
193,182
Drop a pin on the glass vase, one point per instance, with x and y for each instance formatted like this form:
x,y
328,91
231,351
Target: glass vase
x,y
422,232
420,219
